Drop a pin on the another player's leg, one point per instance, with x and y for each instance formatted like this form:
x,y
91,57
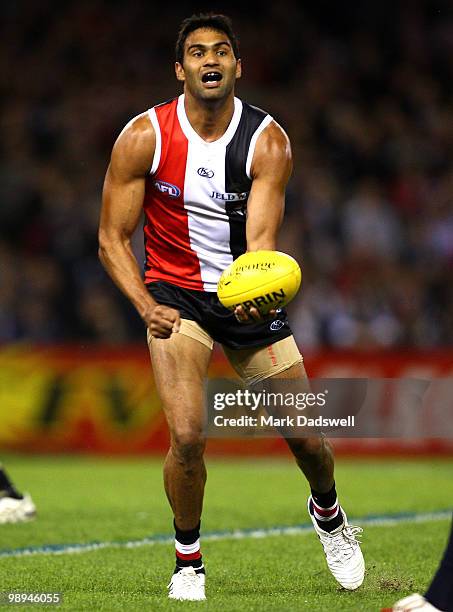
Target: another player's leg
x,y
14,507
314,456
180,366
439,595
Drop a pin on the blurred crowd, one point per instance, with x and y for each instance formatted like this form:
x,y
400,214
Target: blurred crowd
x,y
364,91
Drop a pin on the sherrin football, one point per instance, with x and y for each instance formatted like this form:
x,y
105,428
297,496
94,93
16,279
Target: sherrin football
x,y
264,279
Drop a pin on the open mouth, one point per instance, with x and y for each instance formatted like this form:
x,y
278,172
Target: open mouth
x,y
211,78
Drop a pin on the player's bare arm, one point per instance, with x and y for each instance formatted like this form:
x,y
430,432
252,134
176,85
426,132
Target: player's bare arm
x,y
270,170
122,202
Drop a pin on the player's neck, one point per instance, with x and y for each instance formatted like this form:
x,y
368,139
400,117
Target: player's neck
x,y
209,119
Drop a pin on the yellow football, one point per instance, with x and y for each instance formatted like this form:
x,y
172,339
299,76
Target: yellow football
x,y
264,279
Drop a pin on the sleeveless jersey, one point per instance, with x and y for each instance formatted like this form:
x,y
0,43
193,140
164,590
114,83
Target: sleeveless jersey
x,y
196,196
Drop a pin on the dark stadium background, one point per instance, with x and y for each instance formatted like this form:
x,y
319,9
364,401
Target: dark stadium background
x,y
365,91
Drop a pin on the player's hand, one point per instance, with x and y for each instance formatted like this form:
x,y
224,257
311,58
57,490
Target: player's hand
x,y
252,314
164,321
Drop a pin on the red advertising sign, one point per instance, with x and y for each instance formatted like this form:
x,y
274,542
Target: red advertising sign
x,y
91,400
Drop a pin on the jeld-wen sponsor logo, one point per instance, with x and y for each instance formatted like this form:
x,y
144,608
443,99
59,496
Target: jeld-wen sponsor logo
x,y
168,188
230,197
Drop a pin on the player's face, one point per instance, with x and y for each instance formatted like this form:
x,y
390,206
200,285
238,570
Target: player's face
x,y
209,69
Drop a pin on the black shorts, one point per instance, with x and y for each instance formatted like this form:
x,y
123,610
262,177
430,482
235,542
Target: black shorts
x,y
220,323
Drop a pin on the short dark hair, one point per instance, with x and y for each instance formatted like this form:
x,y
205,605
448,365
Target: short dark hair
x,y
210,21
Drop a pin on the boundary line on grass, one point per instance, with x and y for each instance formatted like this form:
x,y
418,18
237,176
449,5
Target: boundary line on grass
x,y
378,520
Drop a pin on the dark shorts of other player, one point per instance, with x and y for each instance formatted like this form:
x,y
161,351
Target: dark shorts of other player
x,y
205,309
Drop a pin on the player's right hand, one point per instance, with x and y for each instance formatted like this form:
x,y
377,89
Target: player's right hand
x,y
164,321
252,315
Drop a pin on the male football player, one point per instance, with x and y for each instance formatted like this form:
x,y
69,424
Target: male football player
x,y
209,171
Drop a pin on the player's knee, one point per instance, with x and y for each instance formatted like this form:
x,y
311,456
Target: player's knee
x,y
306,448
187,445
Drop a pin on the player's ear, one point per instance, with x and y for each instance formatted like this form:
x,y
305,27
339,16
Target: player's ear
x,y
179,70
238,68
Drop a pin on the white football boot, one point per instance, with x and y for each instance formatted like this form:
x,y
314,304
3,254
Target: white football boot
x,y
413,603
14,510
343,554
187,585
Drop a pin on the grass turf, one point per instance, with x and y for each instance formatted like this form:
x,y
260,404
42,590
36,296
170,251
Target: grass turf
x,y
83,500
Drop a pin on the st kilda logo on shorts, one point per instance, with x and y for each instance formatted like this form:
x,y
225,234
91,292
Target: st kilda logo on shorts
x,y
276,325
205,172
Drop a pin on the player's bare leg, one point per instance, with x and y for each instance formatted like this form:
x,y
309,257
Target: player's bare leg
x,y
180,365
314,456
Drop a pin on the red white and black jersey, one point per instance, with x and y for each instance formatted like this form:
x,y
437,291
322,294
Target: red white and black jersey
x,y
196,196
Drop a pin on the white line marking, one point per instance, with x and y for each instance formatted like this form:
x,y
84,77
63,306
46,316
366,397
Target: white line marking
x,y
385,520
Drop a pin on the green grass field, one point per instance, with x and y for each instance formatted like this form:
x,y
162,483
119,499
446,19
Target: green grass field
x,y
85,500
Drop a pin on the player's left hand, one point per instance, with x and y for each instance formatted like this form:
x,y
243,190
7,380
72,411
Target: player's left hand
x,y
252,315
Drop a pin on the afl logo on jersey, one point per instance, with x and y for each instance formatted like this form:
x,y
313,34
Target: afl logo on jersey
x,y
168,188
205,172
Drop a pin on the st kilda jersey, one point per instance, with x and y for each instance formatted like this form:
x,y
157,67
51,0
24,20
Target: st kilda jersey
x,y
196,196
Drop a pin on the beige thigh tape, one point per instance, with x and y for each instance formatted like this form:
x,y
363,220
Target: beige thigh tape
x,y
193,330
256,364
